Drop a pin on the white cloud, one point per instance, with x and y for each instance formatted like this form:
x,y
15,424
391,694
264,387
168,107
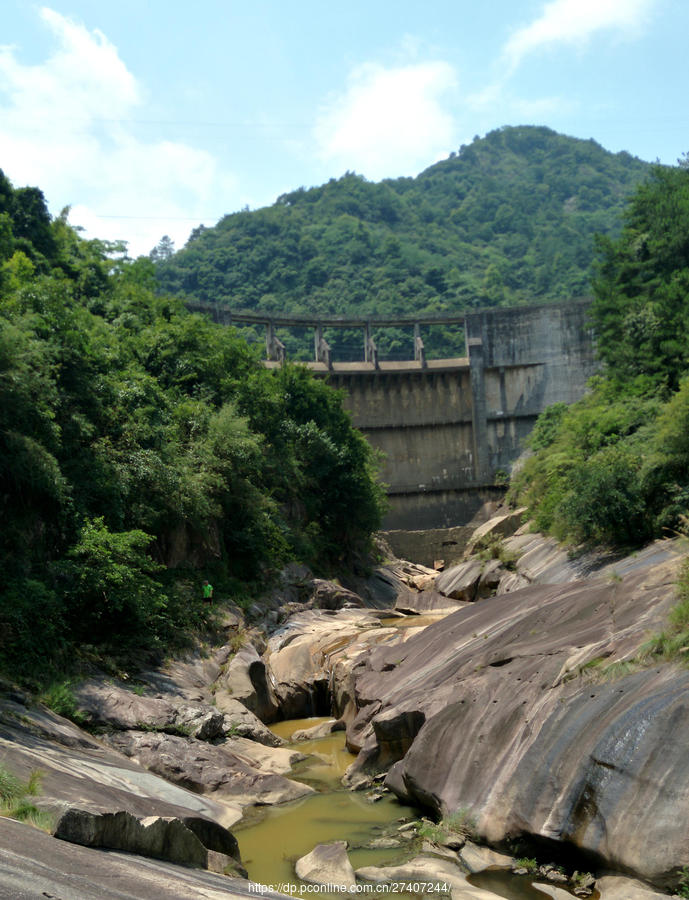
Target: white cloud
x,y
574,21
64,128
389,121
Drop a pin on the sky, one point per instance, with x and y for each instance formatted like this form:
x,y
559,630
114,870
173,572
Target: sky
x,y
150,117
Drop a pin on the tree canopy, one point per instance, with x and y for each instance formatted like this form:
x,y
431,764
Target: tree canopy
x,y
508,219
614,468
143,448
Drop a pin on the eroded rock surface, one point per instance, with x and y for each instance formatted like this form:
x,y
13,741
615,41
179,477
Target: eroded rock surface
x,y
327,864
208,769
34,864
424,869
511,725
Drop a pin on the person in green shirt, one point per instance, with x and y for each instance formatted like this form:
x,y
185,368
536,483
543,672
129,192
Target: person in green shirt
x,y
207,592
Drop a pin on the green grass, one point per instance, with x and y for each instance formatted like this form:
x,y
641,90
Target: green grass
x,y
672,644
15,802
460,822
528,863
493,547
60,698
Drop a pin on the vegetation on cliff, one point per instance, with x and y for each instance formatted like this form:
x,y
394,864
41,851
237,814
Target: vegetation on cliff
x,y
508,219
614,468
142,448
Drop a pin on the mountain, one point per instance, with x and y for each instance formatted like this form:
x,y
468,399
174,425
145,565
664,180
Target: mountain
x,y
509,219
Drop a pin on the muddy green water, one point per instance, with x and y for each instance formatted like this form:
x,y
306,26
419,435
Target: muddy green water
x,y
277,836
271,839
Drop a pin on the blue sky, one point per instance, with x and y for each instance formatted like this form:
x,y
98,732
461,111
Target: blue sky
x,y
150,117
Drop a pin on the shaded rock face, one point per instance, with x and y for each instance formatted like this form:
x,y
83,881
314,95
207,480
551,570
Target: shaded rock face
x,y
192,842
246,679
301,657
514,730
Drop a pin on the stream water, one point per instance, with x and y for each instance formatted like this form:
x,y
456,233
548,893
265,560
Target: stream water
x,y
271,839
274,837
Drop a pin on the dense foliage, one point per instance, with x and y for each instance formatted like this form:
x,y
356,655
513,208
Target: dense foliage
x,y
143,448
614,468
508,219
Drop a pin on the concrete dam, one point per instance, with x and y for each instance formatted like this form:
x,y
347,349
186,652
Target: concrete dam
x,y
450,429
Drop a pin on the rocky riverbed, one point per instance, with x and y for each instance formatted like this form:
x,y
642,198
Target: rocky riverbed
x,y
495,715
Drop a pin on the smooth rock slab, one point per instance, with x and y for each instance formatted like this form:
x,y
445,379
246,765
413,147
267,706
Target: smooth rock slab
x,y
327,864
505,693
614,887
424,869
35,865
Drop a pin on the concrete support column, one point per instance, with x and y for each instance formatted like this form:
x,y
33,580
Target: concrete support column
x,y
479,412
370,349
322,347
419,351
275,349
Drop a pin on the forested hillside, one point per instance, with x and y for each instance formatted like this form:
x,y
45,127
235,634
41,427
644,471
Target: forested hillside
x,y
614,467
143,448
508,219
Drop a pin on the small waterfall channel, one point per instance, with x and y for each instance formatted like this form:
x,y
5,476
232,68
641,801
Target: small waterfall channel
x,y
271,839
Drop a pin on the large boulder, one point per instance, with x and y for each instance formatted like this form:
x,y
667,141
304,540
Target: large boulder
x,y
327,864
496,529
615,887
461,581
241,722
208,769
80,772
504,690
330,595
425,602
188,841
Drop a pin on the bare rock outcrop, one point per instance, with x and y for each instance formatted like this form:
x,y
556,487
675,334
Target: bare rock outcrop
x,y
245,678
327,864
501,692
425,870
34,864
190,841
207,769
301,656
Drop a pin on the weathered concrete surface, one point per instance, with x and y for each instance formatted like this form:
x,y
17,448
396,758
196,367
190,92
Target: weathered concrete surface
x,y
35,865
493,698
327,864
